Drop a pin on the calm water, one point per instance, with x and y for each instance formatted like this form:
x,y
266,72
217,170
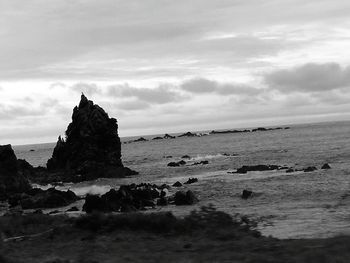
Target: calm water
x,y
291,205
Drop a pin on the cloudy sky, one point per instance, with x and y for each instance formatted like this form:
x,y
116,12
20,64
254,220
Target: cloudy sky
x,y
169,66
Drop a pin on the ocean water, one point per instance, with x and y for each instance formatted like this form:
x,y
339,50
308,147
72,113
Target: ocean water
x,y
286,205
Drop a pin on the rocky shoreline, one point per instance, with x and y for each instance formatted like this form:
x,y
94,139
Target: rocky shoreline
x,y
91,149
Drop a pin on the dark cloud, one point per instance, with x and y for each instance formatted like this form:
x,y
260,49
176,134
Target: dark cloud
x,y
160,95
309,78
202,85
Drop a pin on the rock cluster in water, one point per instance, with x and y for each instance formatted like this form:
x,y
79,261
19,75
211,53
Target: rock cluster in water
x,y
262,167
92,147
12,180
130,198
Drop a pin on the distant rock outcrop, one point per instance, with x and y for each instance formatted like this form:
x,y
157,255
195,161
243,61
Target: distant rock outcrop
x,y
326,166
168,136
12,180
188,134
92,147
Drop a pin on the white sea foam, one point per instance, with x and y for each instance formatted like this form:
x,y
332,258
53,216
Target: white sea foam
x,y
210,156
90,189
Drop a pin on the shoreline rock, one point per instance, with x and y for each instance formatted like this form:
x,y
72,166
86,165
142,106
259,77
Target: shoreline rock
x,y
38,198
129,198
12,179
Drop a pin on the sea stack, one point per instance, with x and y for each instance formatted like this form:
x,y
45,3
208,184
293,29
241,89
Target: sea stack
x,y
92,147
11,179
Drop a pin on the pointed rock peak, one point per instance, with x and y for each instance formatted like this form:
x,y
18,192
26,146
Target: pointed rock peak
x,y
83,101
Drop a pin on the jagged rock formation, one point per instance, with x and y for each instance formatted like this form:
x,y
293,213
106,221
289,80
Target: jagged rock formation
x,y
12,180
92,147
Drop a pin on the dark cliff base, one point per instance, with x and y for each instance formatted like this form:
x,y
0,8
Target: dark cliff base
x,y
207,236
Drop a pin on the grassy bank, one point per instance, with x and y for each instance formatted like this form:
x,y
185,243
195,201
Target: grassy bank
x,y
203,236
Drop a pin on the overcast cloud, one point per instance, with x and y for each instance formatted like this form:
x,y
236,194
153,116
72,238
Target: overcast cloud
x,y
169,66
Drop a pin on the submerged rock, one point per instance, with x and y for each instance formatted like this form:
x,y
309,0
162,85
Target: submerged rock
x,y
191,181
92,147
12,179
157,138
176,164
246,194
261,167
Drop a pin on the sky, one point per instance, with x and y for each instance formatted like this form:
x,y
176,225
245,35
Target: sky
x,y
162,66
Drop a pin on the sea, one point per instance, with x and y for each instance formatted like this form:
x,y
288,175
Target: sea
x,y
285,205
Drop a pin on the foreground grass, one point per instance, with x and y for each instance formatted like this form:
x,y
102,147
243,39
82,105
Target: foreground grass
x,y
203,236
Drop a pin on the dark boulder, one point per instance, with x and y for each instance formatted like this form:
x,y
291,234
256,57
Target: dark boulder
x,y
326,166
182,198
92,147
246,194
186,157
157,138
94,203
50,198
310,169
191,181
12,180
290,170
177,184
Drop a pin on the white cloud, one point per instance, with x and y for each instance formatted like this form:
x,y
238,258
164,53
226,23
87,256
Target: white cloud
x,y
191,64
